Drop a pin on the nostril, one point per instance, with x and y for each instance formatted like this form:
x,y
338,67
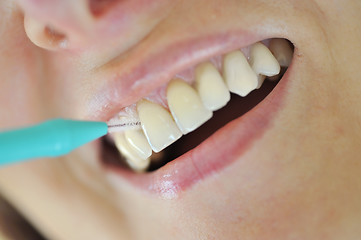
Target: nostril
x,y
55,38
99,7
44,36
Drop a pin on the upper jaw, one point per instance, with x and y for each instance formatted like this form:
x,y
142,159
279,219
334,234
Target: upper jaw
x,y
144,69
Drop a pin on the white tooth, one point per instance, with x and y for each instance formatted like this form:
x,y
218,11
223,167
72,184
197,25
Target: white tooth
x,y
282,50
262,61
133,160
186,106
261,79
158,125
238,74
211,87
138,141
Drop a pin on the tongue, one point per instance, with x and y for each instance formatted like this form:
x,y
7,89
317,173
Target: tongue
x,y
235,108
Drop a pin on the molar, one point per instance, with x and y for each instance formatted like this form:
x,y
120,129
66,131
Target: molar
x,y
282,51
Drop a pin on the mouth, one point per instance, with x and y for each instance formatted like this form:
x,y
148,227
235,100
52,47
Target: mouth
x,y
200,120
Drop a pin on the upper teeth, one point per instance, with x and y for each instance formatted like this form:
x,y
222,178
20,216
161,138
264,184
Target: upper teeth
x,y
282,50
158,125
211,87
240,77
136,159
186,106
263,62
191,107
139,143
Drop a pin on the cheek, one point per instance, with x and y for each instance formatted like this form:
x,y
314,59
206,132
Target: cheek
x,y
20,95
269,196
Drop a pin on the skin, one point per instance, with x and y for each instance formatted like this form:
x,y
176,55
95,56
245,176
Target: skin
x,y
299,181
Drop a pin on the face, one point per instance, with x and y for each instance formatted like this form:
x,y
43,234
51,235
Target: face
x,y
285,167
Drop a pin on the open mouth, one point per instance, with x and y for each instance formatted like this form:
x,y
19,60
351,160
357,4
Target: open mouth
x,y
172,122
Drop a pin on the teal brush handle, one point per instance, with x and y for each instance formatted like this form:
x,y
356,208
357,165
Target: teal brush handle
x,y
49,139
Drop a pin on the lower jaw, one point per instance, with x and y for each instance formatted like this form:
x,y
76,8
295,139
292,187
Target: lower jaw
x,y
218,151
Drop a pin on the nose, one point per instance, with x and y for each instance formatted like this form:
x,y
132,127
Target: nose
x,y
53,24
97,30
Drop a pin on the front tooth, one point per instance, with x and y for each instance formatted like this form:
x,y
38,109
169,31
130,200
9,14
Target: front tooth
x,y
238,74
211,87
186,106
282,50
138,141
262,61
134,161
158,125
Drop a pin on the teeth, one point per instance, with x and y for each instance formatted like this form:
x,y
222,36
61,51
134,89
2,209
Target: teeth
x,y
238,74
134,161
211,87
138,141
263,62
282,51
260,79
186,106
158,125
189,108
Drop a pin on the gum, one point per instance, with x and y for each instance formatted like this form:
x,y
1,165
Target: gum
x,y
159,95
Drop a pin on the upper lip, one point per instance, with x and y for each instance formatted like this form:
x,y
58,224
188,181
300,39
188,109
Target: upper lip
x,y
141,70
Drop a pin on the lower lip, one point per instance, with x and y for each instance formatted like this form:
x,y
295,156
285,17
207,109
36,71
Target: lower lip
x,y
220,150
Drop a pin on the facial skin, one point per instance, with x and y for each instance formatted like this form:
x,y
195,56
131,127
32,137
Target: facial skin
x,y
300,180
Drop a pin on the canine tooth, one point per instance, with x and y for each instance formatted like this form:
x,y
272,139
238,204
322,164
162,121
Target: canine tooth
x,y
138,141
262,61
282,51
133,160
211,87
238,74
158,125
186,106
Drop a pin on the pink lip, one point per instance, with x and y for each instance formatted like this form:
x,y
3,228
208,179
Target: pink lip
x,y
228,144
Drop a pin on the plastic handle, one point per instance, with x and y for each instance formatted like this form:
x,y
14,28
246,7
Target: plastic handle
x,y
49,139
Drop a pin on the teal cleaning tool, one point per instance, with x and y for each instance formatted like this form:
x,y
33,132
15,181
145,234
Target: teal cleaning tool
x,y
49,139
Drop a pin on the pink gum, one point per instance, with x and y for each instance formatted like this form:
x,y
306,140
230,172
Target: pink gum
x,y
159,95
